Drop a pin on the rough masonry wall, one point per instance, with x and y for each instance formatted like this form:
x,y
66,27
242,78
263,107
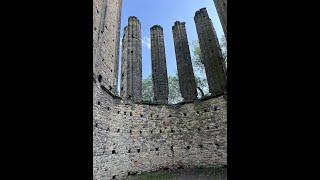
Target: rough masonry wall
x,y
131,86
187,81
106,32
211,52
129,139
221,6
159,66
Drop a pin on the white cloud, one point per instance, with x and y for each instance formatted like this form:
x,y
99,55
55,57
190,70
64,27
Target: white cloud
x,y
146,42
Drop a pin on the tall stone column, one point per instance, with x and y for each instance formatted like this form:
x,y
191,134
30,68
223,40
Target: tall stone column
x,y
106,40
187,81
159,66
131,66
221,6
211,52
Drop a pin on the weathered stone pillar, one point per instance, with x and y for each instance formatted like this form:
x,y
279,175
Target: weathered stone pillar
x,y
187,81
106,40
159,66
211,52
131,66
221,6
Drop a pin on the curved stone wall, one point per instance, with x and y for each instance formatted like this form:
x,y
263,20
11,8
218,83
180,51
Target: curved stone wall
x,y
129,139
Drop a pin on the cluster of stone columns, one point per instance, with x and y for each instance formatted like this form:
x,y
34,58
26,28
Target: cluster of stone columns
x,y
131,66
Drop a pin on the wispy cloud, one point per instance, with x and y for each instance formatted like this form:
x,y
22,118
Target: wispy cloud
x,y
146,42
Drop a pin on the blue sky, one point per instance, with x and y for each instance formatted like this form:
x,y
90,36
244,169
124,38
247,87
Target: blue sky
x,y
165,13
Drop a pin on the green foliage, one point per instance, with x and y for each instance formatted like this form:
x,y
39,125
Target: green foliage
x,y
174,90
147,91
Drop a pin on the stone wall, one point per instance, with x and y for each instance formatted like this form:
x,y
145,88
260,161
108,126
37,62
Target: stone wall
x,y
129,139
221,6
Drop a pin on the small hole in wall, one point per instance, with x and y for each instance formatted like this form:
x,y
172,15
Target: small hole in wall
x,y
184,114
150,115
180,130
95,28
198,112
102,59
121,88
206,110
96,125
130,113
188,147
138,150
98,102
131,51
160,131
217,144
130,131
157,116
140,132
101,31
172,130
200,146
110,88
128,173
118,130
199,129
113,151
129,151
171,148
118,112
157,149
215,108
169,115
125,113
208,127
141,115
151,131
108,108
111,69
99,78
113,177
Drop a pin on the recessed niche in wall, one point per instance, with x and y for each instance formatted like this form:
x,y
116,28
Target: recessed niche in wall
x,y
131,51
150,115
99,78
151,131
118,112
215,108
130,131
160,131
140,132
208,127
188,147
110,88
198,112
130,113
113,177
157,116
98,102
217,144
141,115
108,108
138,150
200,146
199,129
102,59
118,130
171,148
113,151
125,113
157,149
206,110
129,151
96,124
172,130
169,115
184,114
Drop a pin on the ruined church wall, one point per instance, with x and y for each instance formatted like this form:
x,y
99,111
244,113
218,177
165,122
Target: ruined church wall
x,y
134,138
